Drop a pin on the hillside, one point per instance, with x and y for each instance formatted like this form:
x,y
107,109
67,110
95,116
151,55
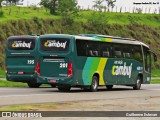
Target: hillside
x,y
19,21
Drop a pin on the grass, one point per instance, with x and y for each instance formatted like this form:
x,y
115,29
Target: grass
x,y
25,13
126,18
156,81
156,73
4,83
114,18
2,73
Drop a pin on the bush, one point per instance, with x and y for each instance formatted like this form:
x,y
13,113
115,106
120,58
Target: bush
x,y
1,13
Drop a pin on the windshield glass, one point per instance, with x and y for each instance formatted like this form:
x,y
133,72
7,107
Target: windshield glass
x,y
21,44
54,44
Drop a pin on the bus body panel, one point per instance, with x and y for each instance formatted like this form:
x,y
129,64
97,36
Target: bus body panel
x,y
21,63
111,71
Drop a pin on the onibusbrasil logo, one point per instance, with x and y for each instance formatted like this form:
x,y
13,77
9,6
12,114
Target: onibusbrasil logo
x,y
123,70
21,44
57,44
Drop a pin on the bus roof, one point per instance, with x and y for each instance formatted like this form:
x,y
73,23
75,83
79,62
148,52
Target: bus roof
x,y
98,37
24,36
114,39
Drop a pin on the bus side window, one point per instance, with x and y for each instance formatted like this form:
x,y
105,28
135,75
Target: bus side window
x,y
81,47
137,53
92,49
127,51
105,50
117,53
105,53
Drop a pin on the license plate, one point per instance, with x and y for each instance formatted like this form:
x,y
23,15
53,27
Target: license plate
x,y
20,73
53,81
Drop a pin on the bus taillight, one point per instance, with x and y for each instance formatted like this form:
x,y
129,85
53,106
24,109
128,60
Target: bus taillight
x,y
6,69
37,68
70,69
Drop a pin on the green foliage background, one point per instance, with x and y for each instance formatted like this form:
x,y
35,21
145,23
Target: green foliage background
x,y
21,21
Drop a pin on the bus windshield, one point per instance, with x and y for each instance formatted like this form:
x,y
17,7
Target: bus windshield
x,y
54,44
21,44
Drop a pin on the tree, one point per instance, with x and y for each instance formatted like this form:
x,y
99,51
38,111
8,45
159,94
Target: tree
x,y
45,3
110,3
50,4
98,5
12,1
68,9
1,3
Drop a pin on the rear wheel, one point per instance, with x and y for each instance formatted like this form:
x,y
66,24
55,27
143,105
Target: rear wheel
x,y
109,87
53,86
63,88
137,86
94,85
33,84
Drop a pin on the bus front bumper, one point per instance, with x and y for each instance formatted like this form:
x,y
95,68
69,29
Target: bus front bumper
x,y
20,78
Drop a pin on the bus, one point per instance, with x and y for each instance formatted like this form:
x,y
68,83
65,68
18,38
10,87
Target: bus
x,y
89,61
21,59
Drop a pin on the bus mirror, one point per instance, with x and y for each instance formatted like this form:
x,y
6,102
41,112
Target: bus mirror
x,y
155,57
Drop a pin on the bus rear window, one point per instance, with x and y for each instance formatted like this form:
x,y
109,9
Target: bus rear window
x,y
54,44
21,44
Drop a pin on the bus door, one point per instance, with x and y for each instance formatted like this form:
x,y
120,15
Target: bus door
x,y
147,65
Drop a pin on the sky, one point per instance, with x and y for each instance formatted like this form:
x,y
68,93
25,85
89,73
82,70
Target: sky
x,y
126,4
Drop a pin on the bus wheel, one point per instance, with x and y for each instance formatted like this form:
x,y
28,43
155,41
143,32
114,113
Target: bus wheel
x,y
53,86
94,85
137,86
64,88
33,84
109,87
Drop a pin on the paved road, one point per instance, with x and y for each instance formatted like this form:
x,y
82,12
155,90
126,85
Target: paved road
x,y
12,96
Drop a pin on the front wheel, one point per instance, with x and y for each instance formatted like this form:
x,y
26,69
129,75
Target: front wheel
x,y
137,86
64,88
94,85
33,84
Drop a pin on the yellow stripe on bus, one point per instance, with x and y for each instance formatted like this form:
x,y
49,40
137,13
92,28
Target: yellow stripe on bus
x,y
100,69
108,39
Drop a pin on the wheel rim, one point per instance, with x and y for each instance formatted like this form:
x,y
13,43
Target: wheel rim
x,y
138,83
94,84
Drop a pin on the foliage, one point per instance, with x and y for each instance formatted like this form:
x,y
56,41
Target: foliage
x,y
68,9
51,5
13,1
98,20
4,83
110,3
143,27
98,5
1,3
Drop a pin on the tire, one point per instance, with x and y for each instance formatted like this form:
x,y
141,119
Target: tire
x,y
63,88
53,86
33,84
109,87
94,85
86,89
137,86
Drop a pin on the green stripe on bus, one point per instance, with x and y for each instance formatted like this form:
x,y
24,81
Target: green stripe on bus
x,y
94,67
86,71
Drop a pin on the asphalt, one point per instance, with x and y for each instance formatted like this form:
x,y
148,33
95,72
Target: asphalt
x,y
14,96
